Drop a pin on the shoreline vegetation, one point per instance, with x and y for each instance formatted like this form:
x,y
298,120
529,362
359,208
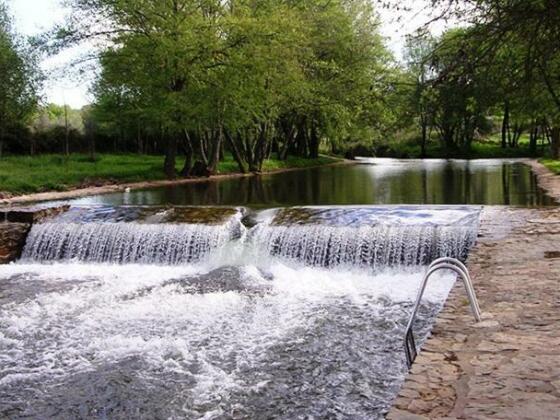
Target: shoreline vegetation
x,y
552,165
51,177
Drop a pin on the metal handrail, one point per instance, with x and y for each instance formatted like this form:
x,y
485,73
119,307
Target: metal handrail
x,y
465,270
440,264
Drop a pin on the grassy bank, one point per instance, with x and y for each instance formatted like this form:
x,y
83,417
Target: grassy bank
x,y
479,150
553,165
31,174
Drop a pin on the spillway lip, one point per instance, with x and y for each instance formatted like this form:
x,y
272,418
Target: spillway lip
x,y
207,215
356,216
353,236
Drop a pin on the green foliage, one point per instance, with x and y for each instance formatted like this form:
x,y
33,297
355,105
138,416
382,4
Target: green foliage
x,y
552,164
256,78
50,116
517,52
19,81
478,150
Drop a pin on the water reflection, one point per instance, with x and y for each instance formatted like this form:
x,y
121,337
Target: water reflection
x,y
371,181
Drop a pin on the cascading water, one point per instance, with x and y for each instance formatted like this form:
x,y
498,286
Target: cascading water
x,y
126,242
374,247
210,321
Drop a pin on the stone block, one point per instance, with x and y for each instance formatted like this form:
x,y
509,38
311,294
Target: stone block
x,y
12,240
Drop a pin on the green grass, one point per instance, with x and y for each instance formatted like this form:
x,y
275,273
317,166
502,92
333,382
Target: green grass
x,y
295,162
30,174
524,139
479,150
553,165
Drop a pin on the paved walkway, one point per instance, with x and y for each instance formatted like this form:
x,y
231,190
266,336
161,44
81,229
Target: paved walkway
x,y
508,366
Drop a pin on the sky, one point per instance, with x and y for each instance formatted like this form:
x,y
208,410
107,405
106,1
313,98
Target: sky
x,y
35,16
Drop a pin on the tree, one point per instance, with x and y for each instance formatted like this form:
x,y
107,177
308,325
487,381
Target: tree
x,y
532,29
251,78
418,49
19,79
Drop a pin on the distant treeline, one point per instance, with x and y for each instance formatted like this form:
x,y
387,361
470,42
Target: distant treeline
x,y
195,80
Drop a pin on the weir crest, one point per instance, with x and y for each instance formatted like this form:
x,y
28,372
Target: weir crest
x,y
372,238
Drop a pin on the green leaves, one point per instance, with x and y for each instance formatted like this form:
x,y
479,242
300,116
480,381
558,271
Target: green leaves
x,y
269,75
20,79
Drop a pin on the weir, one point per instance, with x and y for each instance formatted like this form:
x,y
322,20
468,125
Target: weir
x,y
220,310
377,239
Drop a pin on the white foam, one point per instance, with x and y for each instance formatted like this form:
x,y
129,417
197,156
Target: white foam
x,y
109,315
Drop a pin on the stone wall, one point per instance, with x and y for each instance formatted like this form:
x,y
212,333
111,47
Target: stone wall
x,y
15,224
12,240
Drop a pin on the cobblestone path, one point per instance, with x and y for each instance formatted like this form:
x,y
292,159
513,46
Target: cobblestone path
x,y
508,366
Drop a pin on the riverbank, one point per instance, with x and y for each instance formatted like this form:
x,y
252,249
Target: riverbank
x,y
109,186
548,175
507,366
50,177
488,149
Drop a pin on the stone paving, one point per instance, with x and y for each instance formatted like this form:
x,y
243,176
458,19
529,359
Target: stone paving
x,y
507,366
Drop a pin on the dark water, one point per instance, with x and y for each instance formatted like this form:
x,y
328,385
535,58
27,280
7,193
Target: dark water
x,y
379,181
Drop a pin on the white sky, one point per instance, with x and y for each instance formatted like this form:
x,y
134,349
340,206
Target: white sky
x,y
35,16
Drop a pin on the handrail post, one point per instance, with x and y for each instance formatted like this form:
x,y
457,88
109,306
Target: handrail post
x,y
458,268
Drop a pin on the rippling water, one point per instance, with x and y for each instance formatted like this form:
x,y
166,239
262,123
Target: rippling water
x,y
108,341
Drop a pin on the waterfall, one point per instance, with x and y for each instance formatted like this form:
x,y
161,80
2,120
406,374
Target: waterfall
x,y
375,240
127,242
375,247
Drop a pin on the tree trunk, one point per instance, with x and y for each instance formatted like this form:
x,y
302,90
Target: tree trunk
x,y
66,132
189,153
517,131
262,143
301,139
203,146
314,142
546,131
290,140
505,125
448,139
215,156
533,139
236,154
424,137
170,156
555,142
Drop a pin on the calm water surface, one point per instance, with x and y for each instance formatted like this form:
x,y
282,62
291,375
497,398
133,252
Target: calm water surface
x,y
371,181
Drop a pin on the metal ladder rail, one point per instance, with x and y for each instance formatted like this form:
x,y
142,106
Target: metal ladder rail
x,y
465,270
441,264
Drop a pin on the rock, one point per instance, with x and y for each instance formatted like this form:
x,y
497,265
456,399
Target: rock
x,y
12,240
487,324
